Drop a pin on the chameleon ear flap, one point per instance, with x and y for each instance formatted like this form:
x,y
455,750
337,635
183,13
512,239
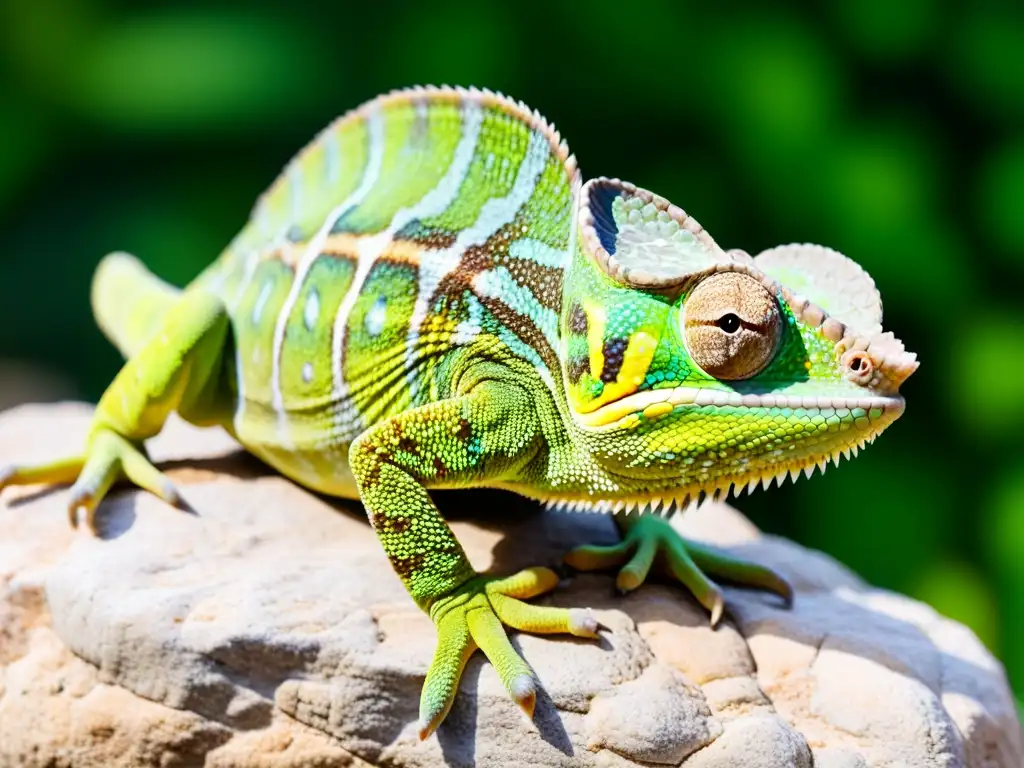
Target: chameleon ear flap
x,y
640,239
829,279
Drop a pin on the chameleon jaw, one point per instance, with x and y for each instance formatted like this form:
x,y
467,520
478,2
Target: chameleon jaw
x,y
653,403
677,489
667,500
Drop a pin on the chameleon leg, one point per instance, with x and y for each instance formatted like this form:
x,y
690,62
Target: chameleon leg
x,y
171,371
650,540
486,434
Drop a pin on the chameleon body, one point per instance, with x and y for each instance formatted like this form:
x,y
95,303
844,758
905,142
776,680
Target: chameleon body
x,y
429,297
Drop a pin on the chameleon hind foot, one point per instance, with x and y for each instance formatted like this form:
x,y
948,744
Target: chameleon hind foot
x,y
650,540
108,457
475,616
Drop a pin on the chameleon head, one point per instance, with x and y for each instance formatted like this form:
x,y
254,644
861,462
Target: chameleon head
x,y
694,369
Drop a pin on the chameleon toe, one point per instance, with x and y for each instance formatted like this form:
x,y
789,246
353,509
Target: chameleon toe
x,y
592,557
454,647
650,542
738,571
525,584
475,616
58,472
634,573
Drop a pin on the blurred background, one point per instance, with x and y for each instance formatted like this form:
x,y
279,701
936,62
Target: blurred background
x,y
891,131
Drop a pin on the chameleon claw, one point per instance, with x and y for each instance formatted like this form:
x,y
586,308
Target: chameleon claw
x,y
788,594
426,728
6,475
582,623
81,498
171,494
717,608
524,690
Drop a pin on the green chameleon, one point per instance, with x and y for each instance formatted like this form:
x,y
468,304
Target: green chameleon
x,y
430,297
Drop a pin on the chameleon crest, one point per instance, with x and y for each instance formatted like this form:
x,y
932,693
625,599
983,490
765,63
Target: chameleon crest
x,y
428,297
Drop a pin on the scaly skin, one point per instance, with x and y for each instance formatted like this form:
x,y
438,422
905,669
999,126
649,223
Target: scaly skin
x,y
428,298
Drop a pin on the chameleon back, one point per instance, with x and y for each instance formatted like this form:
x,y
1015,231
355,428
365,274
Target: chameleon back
x,y
422,224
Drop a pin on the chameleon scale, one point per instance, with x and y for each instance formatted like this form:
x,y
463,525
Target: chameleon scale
x,y
429,297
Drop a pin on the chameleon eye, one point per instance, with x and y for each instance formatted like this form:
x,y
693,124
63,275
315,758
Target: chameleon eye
x,y
732,325
729,323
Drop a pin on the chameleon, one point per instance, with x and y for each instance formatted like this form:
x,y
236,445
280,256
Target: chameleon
x,y
430,297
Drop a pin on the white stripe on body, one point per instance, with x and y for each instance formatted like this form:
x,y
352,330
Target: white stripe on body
x,y
494,214
375,157
369,249
539,253
499,284
295,192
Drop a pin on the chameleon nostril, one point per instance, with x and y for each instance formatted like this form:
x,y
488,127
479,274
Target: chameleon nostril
x,y
858,365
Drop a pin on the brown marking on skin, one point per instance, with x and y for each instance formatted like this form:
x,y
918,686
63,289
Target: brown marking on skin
x,y
407,567
577,367
434,241
408,445
285,253
386,524
464,430
378,519
524,328
440,469
379,456
544,282
347,244
578,320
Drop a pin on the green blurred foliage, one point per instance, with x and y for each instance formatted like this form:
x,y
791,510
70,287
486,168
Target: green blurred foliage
x,y
878,128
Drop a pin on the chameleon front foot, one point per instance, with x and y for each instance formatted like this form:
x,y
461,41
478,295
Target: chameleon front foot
x,y
474,616
108,457
650,540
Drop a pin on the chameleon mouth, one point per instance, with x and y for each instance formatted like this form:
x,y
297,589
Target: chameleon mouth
x,y
853,422
655,403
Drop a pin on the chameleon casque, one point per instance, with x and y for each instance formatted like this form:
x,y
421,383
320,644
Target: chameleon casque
x,y
430,297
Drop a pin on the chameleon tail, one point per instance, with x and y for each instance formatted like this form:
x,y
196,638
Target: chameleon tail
x,y
129,302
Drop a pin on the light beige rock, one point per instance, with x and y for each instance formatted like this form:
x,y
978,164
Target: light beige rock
x,y
267,629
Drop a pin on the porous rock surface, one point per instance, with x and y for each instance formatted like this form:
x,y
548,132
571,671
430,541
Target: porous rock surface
x,y
265,628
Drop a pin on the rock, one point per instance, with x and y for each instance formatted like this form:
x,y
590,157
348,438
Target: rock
x,y
265,628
